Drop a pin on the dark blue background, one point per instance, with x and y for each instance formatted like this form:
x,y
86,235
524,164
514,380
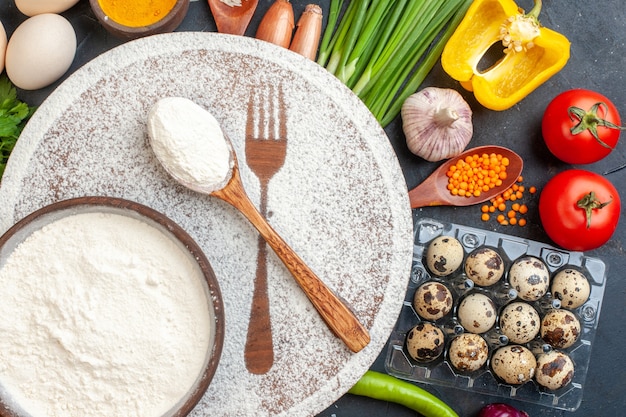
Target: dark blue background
x,y
597,31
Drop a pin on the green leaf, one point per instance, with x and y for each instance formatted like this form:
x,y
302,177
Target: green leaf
x,y
13,117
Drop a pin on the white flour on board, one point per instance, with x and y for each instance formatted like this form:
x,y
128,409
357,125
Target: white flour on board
x,y
340,200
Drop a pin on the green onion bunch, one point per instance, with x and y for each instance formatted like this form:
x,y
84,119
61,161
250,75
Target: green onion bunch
x,y
384,49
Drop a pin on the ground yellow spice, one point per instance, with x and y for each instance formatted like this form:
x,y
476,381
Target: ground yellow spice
x,y
136,13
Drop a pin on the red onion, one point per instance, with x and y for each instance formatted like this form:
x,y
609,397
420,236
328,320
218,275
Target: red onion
x,y
501,410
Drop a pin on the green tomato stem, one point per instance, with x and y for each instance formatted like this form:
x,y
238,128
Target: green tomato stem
x,y
589,120
589,203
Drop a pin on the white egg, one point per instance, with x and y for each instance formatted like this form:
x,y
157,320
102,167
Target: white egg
x,y
3,46
40,51
34,7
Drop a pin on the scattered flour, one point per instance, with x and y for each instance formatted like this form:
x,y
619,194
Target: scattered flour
x,y
189,142
232,3
101,315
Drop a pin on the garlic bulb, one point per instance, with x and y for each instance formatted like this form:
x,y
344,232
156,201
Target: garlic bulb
x,y
437,123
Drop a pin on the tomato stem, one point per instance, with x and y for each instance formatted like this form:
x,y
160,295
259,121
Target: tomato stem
x,y
589,203
590,120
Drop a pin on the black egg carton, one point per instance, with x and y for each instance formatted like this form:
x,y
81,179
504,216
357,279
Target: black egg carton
x,y
440,372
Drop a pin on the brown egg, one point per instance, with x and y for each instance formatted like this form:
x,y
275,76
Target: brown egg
x,y
555,370
484,266
477,313
432,301
520,322
530,277
444,255
514,364
571,287
560,328
468,352
425,342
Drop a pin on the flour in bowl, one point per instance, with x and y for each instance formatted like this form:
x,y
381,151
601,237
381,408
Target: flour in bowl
x,y
101,315
189,142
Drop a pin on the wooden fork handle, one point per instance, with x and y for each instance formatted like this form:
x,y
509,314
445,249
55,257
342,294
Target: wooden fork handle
x,y
339,318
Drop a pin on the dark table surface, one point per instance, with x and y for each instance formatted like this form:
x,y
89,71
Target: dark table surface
x,y
597,31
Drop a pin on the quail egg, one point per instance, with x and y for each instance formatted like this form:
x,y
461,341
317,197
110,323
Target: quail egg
x,y
477,313
530,278
560,328
444,255
571,287
520,322
432,301
514,364
425,342
555,370
468,352
484,266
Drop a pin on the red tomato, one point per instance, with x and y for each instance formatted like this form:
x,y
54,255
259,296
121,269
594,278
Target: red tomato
x,y
566,223
570,119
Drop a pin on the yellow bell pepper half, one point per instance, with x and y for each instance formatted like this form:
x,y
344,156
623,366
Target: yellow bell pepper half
x,y
532,53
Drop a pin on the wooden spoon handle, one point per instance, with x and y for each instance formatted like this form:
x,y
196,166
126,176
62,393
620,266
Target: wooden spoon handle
x,y
339,318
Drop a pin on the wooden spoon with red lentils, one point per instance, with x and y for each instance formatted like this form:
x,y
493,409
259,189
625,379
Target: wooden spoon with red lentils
x,y
473,177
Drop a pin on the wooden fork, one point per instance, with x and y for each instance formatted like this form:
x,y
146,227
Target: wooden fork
x,y
266,148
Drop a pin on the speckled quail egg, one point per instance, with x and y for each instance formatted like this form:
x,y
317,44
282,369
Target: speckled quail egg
x,y
555,370
468,352
571,287
530,278
425,342
432,300
520,322
477,313
444,255
484,266
560,328
514,364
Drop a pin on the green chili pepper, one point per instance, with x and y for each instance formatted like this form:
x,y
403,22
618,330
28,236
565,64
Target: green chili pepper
x,y
387,388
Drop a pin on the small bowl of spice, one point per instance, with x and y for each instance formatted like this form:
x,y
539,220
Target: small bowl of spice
x,y
109,309
134,19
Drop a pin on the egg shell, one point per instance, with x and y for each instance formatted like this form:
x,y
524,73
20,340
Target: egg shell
x,y
477,313
560,328
555,370
484,266
432,301
514,364
530,278
520,322
40,51
444,255
35,7
468,352
3,46
571,287
425,342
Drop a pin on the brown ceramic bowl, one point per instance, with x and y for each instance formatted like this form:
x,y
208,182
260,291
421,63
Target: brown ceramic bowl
x,y
10,240
167,23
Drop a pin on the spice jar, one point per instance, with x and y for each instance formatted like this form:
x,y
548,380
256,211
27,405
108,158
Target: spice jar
x,y
130,20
